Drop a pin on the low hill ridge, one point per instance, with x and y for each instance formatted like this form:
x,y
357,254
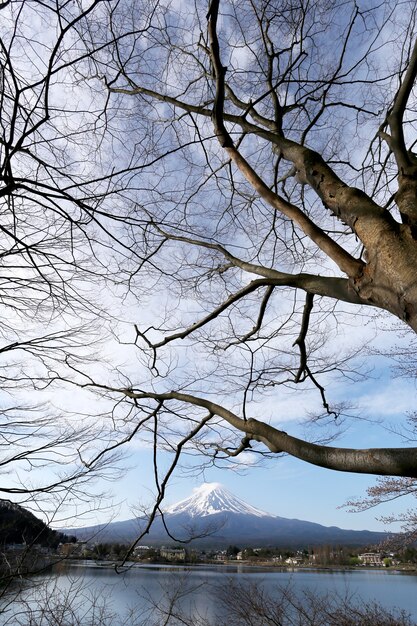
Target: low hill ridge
x,y
18,525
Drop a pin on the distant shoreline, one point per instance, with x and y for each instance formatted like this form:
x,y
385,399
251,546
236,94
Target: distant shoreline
x,y
264,565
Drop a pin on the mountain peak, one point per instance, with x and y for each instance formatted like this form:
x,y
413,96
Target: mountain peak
x,y
212,498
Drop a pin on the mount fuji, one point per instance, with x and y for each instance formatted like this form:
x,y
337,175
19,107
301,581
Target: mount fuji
x,y
213,517
211,499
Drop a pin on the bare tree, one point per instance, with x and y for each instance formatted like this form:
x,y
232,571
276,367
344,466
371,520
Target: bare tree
x,y
276,195
241,172
58,255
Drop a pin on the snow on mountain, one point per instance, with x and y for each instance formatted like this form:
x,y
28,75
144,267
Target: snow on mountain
x,y
212,498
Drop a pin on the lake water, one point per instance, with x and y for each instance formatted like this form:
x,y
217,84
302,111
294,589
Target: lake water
x,y
196,589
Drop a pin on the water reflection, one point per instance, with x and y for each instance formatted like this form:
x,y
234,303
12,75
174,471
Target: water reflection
x,y
195,590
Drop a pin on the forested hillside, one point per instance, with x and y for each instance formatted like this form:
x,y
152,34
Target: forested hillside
x,y
17,525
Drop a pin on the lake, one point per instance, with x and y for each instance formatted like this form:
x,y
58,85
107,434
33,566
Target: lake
x,y
89,590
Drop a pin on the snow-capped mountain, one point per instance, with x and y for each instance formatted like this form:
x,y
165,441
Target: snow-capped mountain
x,y
212,517
210,499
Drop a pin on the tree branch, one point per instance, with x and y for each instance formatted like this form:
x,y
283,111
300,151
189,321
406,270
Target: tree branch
x,y
406,197
396,115
348,204
380,461
319,285
345,261
333,287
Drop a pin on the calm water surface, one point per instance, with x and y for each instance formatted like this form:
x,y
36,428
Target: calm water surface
x,y
142,585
